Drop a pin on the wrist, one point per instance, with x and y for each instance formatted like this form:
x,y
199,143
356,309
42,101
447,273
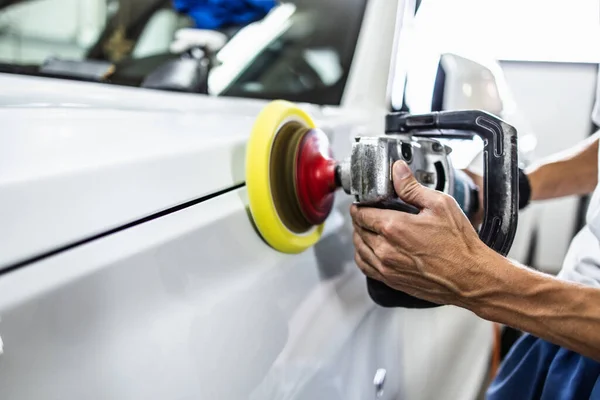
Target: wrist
x,y
485,269
515,295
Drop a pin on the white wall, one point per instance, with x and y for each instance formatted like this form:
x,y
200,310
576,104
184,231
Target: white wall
x,y
535,30
557,99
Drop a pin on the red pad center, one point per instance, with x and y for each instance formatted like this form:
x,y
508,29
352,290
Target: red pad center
x,y
315,176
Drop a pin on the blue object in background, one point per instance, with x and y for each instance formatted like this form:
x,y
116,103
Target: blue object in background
x,y
215,14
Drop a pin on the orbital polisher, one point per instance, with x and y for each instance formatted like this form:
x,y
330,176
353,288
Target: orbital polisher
x,y
292,176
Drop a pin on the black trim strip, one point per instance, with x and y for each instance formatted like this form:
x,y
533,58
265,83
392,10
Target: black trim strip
x,y
50,253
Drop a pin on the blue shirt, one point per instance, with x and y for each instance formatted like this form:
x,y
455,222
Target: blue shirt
x,y
535,369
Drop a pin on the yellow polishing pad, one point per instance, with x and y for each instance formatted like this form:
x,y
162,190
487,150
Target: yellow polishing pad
x,y
270,177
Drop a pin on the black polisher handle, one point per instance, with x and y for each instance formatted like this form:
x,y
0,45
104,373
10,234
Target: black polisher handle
x,y
500,182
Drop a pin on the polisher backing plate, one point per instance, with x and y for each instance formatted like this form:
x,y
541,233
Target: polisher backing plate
x,y
270,174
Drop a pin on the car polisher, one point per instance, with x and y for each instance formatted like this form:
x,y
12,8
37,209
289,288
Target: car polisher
x,y
292,176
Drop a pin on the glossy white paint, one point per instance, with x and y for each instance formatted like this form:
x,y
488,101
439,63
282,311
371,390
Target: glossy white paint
x,y
369,79
194,304
80,151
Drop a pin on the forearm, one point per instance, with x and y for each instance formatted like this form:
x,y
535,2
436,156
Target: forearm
x,y
573,172
563,313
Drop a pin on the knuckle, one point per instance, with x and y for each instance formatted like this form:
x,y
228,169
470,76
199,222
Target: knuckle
x,y
387,228
358,260
355,239
447,200
358,215
386,271
442,201
450,202
355,214
438,203
380,252
384,254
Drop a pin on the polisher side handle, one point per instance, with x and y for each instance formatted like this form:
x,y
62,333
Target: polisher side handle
x,y
500,181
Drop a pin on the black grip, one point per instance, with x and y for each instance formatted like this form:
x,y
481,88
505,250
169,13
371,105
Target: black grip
x,y
501,170
500,183
500,177
387,297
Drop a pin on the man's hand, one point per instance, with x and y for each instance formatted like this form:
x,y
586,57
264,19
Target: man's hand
x,y
435,255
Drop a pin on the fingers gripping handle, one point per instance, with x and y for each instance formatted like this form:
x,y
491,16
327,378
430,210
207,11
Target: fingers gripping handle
x,y
500,191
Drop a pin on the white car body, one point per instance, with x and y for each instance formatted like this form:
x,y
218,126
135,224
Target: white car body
x,y
130,268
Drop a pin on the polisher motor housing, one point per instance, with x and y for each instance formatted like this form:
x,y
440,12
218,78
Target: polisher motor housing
x,y
367,174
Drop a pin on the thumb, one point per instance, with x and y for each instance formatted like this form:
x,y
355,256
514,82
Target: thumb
x,y
408,188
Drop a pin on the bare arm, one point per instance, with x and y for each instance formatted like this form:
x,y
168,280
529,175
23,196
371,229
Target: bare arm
x,y
563,313
569,173
573,172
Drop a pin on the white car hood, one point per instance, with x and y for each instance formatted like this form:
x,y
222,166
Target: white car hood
x,y
79,159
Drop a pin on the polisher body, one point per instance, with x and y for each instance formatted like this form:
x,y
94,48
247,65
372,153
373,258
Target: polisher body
x,y
292,176
367,174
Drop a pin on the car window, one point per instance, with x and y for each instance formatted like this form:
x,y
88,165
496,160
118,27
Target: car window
x,y
307,58
30,32
310,61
